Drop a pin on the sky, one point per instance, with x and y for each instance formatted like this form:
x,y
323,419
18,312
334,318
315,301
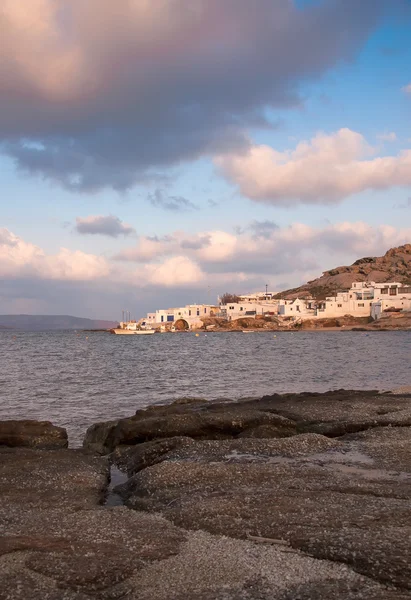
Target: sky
x,y
156,153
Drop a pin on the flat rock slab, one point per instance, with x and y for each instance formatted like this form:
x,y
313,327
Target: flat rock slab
x,y
58,542
346,500
332,414
32,434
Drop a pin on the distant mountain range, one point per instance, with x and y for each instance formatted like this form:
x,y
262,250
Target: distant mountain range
x,y
51,322
395,265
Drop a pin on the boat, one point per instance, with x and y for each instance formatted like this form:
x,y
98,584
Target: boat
x,y
133,331
144,331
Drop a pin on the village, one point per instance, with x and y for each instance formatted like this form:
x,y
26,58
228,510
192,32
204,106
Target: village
x,y
363,300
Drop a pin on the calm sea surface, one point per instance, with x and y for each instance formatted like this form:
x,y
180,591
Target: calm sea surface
x,y
75,379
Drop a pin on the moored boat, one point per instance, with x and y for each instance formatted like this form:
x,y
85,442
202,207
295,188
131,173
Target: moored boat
x,y
133,331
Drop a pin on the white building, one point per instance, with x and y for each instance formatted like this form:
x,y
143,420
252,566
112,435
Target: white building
x,y
191,315
297,308
359,300
249,305
384,306
236,310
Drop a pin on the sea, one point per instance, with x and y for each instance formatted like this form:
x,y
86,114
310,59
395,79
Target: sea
x,y
75,379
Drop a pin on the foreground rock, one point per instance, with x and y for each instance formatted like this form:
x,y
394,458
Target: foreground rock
x,y
32,434
345,500
276,416
59,543
266,507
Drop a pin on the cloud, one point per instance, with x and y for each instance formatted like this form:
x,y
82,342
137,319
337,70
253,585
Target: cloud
x,y
387,137
262,229
407,89
20,259
146,249
172,203
324,170
175,272
287,250
108,94
100,225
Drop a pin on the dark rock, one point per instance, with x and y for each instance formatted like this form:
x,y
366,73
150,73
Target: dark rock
x,y
217,422
307,517
269,431
332,414
100,437
32,434
325,497
132,459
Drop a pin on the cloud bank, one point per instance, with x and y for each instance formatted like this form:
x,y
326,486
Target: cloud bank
x,y
323,170
110,226
181,267
23,260
106,94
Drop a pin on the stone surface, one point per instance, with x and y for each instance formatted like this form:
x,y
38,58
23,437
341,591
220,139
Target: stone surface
x,y
345,500
302,517
333,414
204,421
32,434
132,459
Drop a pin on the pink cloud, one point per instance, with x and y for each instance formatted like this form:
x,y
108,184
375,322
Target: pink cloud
x,y
323,170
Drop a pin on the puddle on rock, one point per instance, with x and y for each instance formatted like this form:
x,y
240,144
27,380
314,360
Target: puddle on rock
x,y
117,477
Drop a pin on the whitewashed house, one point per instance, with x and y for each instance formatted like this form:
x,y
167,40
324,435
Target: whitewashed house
x,y
297,308
358,301
191,315
236,310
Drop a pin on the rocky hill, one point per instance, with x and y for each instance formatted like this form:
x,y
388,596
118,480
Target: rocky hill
x,y
395,265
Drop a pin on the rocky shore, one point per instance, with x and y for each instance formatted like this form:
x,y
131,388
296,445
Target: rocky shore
x,y
288,497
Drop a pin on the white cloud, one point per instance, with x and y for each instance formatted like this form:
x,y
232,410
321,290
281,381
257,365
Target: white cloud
x,y
175,272
387,137
210,260
290,249
324,170
146,249
110,226
20,259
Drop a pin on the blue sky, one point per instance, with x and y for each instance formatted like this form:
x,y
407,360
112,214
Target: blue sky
x,y
180,174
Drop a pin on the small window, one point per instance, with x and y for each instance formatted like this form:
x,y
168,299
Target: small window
x,y
231,307
393,291
198,313
189,313
360,304
241,308
205,311
339,305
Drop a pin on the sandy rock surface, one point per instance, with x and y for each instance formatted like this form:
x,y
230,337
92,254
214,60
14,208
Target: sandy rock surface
x,y
236,516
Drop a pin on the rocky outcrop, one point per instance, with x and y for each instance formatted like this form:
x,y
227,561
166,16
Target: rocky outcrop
x,y
295,496
32,434
197,420
344,500
395,265
273,416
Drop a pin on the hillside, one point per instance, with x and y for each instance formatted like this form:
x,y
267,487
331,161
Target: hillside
x,y
395,265
51,322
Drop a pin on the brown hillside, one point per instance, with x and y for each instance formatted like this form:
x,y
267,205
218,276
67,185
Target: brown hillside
x,y
395,265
